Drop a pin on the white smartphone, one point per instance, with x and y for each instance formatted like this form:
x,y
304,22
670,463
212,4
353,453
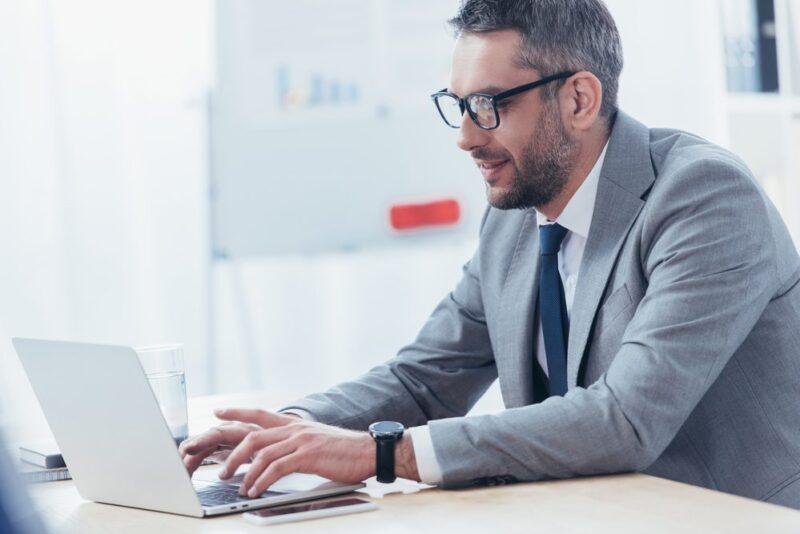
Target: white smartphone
x,y
309,510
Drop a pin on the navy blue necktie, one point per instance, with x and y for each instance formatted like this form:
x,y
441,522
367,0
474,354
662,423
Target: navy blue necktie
x,y
553,307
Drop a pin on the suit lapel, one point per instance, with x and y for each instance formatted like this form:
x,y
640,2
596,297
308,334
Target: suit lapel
x,y
514,339
626,176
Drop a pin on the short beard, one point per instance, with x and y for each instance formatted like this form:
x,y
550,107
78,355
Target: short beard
x,y
545,167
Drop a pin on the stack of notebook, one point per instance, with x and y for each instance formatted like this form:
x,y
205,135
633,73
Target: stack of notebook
x,y
42,462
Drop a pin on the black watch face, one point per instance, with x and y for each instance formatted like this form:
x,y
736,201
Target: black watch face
x,y
386,429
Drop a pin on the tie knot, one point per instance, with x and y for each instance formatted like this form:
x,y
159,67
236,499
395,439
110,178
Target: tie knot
x,y
550,238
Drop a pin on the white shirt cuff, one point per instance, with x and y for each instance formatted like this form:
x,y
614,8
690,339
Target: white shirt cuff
x,y
427,465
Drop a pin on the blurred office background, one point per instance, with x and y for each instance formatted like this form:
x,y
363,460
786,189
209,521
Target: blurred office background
x,y
223,174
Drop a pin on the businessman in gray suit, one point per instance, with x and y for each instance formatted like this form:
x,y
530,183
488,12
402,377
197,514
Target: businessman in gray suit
x,y
634,290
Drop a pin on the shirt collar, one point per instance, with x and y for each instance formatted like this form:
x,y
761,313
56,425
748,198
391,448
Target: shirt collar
x,y
577,214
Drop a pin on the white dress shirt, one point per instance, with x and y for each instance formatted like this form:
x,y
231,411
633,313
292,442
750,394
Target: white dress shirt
x,y
576,218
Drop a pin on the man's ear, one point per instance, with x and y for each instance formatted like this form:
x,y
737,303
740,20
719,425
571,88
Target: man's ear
x,y
581,99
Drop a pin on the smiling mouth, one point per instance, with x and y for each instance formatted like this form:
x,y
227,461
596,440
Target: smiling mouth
x,y
489,165
491,169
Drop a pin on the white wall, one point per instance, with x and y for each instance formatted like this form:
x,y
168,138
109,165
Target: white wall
x,y
674,73
102,151
298,324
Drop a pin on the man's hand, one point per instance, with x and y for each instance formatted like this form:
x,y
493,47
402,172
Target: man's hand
x,y
223,437
287,445
280,444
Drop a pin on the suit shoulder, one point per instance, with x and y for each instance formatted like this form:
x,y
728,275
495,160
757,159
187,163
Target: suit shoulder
x,y
696,166
700,180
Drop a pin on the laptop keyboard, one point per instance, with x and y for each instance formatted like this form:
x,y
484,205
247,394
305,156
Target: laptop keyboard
x,y
216,493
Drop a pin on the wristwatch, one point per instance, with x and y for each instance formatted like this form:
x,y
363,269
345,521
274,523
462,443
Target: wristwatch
x,y
385,434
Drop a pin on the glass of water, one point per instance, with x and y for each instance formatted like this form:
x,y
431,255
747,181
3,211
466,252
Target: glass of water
x,y
163,365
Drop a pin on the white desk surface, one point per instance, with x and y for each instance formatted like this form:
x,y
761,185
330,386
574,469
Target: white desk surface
x,y
614,504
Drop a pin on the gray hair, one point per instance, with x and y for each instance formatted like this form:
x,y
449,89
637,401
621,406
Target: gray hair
x,y
557,36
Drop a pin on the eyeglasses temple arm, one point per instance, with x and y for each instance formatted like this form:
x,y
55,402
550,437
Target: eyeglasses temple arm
x,y
532,85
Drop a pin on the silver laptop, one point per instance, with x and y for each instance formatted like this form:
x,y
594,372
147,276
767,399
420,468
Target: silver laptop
x,y
116,443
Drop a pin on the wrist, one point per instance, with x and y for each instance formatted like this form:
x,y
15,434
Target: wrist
x,y
405,459
368,455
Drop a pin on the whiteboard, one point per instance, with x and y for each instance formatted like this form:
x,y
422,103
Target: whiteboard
x,y
321,120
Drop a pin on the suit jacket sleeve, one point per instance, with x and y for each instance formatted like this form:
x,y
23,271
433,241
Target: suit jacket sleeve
x,y
707,253
441,374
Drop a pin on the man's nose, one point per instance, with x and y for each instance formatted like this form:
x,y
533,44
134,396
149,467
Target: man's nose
x,y
470,135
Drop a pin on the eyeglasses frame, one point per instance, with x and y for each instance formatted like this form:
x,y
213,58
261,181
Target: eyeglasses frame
x,y
494,99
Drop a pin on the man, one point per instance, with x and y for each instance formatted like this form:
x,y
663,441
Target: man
x,y
634,290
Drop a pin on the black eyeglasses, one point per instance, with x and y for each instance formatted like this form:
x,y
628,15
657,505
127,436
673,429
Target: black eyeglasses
x,y
482,107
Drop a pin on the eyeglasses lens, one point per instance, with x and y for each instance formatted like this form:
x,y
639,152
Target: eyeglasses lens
x,y
450,110
483,111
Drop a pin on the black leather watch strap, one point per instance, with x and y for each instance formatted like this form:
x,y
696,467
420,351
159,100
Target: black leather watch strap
x,y
385,434
384,460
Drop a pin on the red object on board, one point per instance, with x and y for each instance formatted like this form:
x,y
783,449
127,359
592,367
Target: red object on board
x,y
437,213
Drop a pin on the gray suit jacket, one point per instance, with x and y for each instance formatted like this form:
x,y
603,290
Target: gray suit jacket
x,y
684,342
